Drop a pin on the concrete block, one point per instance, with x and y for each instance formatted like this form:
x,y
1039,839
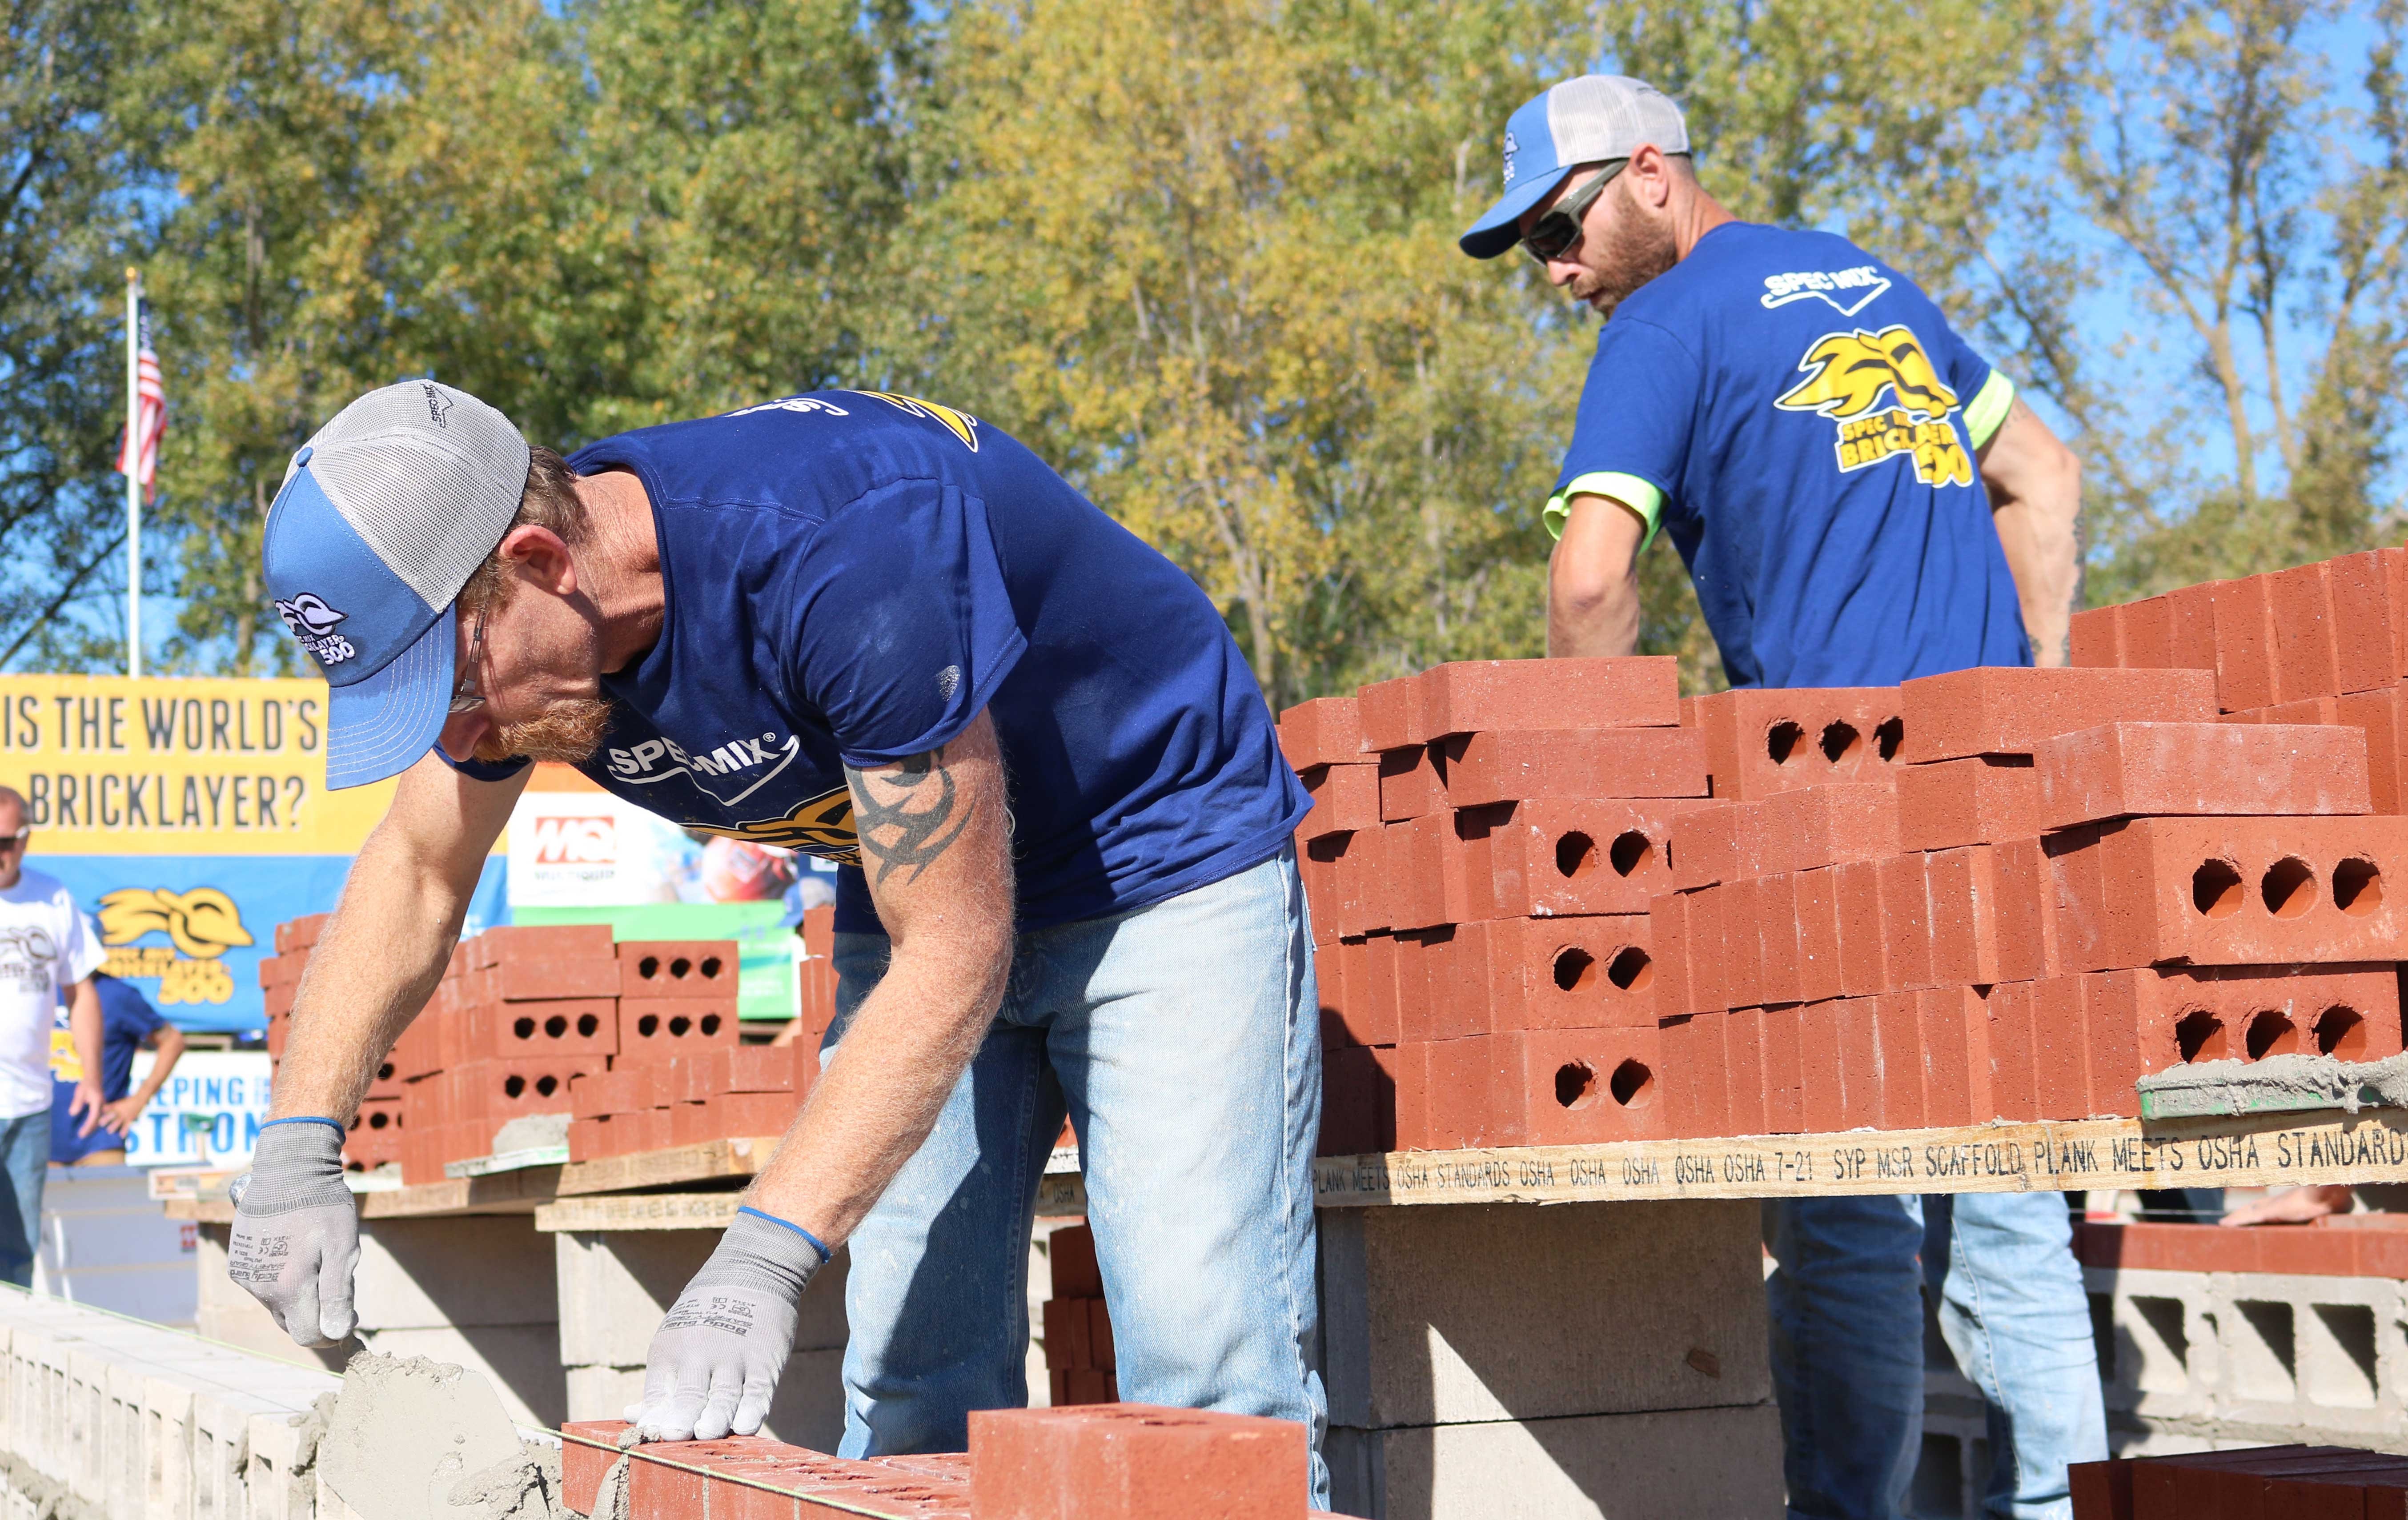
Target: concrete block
x,y
2319,1353
477,1270
167,1449
1717,1464
277,1485
1503,1312
2160,1356
614,1286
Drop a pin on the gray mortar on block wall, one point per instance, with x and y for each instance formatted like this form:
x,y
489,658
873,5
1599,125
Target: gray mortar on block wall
x,y
412,1438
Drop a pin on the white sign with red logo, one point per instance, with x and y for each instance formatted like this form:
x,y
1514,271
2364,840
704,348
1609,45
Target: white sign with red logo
x,y
592,850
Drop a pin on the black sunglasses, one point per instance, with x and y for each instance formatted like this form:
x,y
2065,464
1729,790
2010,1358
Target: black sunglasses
x,y
1552,235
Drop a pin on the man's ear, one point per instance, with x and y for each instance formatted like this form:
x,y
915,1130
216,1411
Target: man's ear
x,y
541,558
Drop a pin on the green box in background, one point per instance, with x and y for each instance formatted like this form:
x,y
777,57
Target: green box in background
x,y
765,977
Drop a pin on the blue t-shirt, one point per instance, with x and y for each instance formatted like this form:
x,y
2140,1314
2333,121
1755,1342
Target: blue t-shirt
x,y
850,577
1801,420
126,1020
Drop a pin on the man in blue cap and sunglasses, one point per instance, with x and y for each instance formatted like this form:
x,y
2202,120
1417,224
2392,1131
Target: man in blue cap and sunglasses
x,y
876,629
1859,499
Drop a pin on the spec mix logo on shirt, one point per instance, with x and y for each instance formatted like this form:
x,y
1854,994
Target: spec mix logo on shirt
x,y
1849,372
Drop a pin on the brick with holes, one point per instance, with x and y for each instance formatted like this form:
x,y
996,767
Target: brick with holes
x,y
2369,599
532,979
1864,959
1906,923
1761,742
678,967
1326,731
1860,1048
1953,1024
1523,767
2061,1052
1568,973
1469,696
2305,655
556,1026
1580,1086
494,1092
1974,800
1568,856
1962,888
1898,1037
2130,769
2230,891
732,1115
1668,940
1742,943
2006,709
2150,1020
1709,973
653,1027
1814,826
2012,1071
1359,1101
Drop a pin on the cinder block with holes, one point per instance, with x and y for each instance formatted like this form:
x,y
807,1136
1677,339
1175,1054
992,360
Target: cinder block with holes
x,y
2229,891
1523,767
2312,1352
2007,709
2204,769
2159,1357
1566,857
1762,742
1974,800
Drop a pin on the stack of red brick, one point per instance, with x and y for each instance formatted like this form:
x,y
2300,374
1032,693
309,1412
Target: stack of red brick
x,y
1102,1462
2261,1483
1546,914
1485,841
1079,1363
2342,1245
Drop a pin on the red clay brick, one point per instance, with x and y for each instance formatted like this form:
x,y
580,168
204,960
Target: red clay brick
x,y
1814,826
1470,1096
1390,714
2191,613
1906,922
1667,938
1584,1087
1815,895
1743,1062
2307,1252
1498,696
2004,709
557,942
2300,601
565,1027
1345,797
1947,1019
1358,1100
1776,931
1709,969
2060,1054
1676,1077
1860,1085
1481,768
1716,843
2101,1490
2014,1037
1410,784
1427,876
678,967
2230,891
1864,956
529,979
2369,617
1571,974
1368,1018
1785,1069
1898,1034
2201,768
1566,857
1709,1064
2097,639
1071,1253
1135,1462
1762,743
1065,1326
650,1028
2144,1021
1326,731
1742,945
2378,715
1975,800
2245,643
1820,1079
2148,632
1963,891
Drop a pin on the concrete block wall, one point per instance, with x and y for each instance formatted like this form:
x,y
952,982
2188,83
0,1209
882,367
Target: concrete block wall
x,y
1592,1359
105,1416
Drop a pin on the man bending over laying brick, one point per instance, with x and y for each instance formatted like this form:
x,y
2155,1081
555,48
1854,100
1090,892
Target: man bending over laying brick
x,y
877,630
1859,499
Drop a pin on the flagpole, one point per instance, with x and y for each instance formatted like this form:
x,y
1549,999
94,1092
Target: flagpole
x,y
133,472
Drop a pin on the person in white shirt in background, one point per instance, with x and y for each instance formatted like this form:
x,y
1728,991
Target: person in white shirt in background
x,y
44,951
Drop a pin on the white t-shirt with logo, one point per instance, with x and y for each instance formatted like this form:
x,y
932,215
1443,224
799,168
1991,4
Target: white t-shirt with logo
x,y
43,948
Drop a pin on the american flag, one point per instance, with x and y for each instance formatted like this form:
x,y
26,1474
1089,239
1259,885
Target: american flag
x,y
140,455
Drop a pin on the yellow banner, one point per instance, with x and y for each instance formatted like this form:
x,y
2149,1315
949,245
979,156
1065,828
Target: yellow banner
x,y
113,766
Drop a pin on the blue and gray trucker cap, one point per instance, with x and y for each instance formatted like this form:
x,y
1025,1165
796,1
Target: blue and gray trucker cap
x,y
382,517
1584,121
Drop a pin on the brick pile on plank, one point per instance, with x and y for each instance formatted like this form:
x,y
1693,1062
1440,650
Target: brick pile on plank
x,y
635,1041
1079,1367
1100,1462
2277,1482
1553,905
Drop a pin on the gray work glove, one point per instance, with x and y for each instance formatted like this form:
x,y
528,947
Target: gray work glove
x,y
714,1361
296,1230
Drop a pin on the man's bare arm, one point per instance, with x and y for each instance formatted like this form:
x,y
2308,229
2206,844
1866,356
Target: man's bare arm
x,y
2035,485
1593,580
936,845
378,961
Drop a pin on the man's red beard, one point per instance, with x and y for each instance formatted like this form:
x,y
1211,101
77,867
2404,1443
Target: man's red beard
x,y
569,731
1636,252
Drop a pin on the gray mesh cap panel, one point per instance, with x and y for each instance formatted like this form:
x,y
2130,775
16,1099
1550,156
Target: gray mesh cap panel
x,y
428,476
1603,116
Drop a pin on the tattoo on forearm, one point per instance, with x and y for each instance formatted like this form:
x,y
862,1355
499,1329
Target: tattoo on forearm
x,y
915,822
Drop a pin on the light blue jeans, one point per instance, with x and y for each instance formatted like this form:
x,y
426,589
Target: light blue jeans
x,y
1185,1041
1847,1346
24,1166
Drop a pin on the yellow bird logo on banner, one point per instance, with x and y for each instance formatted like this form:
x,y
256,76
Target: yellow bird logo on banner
x,y
203,923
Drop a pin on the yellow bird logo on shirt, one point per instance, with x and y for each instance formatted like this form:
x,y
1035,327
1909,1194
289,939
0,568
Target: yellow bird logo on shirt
x,y
1852,369
203,923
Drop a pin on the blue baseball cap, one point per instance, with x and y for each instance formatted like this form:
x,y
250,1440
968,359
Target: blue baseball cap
x,y
382,517
1584,121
